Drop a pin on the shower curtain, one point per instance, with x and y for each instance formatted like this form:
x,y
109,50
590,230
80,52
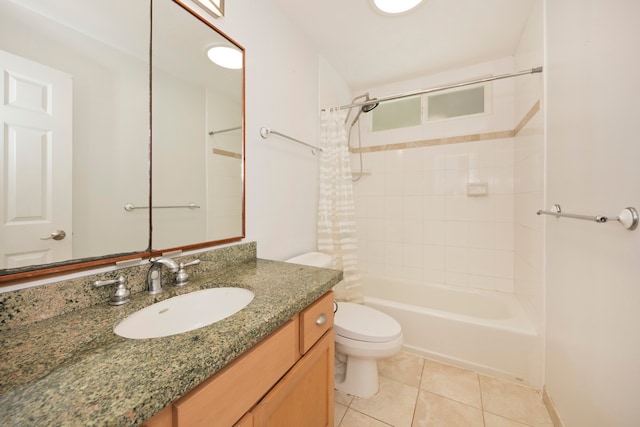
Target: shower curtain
x,y
336,207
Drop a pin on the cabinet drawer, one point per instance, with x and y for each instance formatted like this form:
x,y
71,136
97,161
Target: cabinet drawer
x,y
225,397
315,320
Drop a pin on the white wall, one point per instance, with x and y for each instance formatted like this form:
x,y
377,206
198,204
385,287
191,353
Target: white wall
x,y
282,74
529,181
592,270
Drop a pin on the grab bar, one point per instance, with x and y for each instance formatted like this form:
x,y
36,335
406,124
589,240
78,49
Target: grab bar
x,y
628,216
265,132
130,206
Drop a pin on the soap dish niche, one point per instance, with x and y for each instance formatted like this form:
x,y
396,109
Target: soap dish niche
x,y
477,189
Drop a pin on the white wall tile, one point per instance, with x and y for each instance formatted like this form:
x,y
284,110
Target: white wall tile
x,y
393,231
413,232
430,228
456,233
434,207
456,279
413,255
481,262
456,208
433,257
456,259
413,207
413,183
481,235
434,158
434,232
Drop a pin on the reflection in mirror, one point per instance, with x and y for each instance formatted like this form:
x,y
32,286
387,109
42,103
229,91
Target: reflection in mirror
x,y
75,138
197,118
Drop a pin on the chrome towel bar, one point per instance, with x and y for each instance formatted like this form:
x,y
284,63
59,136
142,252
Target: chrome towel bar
x,y
265,132
130,206
628,217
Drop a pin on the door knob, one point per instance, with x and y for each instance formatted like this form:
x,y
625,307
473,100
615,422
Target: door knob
x,y
56,235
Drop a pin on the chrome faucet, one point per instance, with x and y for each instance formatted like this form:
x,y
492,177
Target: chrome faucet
x,y
154,275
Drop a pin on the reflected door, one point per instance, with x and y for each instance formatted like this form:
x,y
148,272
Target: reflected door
x,y
35,157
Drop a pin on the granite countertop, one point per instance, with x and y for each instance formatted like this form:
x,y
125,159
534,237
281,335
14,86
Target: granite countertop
x,y
72,370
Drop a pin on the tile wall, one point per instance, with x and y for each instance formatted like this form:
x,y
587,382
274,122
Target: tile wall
x,y
414,215
416,221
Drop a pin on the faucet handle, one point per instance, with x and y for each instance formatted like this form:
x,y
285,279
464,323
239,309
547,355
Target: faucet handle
x,y
121,295
182,278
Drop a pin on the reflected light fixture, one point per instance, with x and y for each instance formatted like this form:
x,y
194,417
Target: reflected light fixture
x,y
395,7
225,56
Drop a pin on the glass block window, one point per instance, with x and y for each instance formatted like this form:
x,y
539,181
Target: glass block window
x,y
397,114
458,103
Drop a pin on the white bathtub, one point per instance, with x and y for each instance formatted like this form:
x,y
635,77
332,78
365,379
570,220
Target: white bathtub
x,y
486,331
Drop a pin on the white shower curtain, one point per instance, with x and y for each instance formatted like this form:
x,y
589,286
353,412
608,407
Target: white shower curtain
x,y
336,208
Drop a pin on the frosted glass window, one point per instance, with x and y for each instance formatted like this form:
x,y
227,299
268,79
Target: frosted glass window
x,y
396,114
455,104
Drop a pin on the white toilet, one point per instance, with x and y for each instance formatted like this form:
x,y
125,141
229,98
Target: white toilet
x,y
363,335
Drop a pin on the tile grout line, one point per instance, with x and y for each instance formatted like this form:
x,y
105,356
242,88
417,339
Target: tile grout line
x,y
484,422
415,404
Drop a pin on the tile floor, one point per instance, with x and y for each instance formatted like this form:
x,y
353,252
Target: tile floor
x,y
418,392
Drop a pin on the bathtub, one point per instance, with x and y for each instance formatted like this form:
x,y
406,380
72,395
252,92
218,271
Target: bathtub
x,y
485,331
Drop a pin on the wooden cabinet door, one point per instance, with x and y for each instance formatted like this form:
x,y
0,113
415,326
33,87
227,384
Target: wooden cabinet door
x,y
226,396
304,397
161,419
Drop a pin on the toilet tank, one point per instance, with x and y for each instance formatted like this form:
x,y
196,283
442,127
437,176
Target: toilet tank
x,y
313,259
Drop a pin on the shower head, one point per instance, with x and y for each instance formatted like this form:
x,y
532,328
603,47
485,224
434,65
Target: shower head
x,y
369,107
363,109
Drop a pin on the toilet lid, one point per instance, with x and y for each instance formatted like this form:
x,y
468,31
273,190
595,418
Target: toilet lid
x,y
362,323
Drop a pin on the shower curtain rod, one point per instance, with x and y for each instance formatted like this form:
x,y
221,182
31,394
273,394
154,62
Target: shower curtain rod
x,y
437,89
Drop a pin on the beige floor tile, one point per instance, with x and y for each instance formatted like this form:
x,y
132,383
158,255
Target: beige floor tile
x,y
455,383
403,367
437,411
492,420
356,419
338,413
514,401
393,404
342,398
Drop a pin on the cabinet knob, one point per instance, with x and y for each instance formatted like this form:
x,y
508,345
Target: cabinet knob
x,y
321,320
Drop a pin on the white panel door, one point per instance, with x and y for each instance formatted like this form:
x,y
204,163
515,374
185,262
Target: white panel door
x,y
36,162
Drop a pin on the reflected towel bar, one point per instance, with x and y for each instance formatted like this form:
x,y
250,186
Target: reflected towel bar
x,y
265,132
130,206
628,216
213,132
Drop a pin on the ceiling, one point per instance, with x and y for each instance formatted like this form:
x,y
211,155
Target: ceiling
x,y
369,49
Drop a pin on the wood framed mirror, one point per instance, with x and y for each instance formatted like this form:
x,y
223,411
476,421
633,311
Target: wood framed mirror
x,y
110,58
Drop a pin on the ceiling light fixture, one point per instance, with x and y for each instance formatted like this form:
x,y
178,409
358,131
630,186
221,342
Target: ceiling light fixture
x,y
395,7
226,57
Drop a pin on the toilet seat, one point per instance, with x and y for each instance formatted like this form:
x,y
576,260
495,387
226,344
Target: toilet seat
x,y
362,323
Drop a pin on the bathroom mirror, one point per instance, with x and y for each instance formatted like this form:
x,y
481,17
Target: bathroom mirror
x,y
197,132
76,147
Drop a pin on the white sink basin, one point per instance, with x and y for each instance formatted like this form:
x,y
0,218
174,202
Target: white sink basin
x,y
184,313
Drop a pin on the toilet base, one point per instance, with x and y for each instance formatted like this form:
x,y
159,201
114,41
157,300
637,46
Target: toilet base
x,y
361,377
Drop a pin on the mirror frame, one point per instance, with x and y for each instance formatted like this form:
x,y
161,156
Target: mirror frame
x,y
214,7
24,274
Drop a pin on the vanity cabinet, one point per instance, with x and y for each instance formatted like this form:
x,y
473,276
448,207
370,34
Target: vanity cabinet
x,y
285,380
